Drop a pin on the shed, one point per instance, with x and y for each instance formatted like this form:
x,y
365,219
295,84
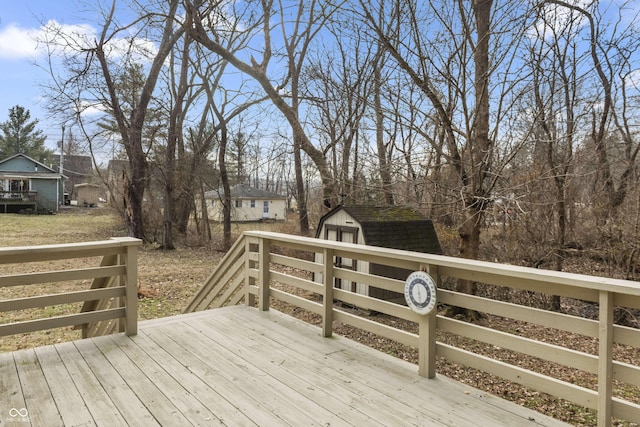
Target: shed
x,y
87,194
394,227
247,204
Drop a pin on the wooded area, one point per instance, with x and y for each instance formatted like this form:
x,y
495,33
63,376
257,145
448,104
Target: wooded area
x,y
511,122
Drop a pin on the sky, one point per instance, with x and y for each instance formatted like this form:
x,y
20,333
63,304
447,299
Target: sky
x,y
20,77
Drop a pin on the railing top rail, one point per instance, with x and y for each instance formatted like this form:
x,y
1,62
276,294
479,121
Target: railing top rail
x,y
26,251
513,271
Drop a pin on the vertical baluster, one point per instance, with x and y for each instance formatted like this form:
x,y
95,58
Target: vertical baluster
x,y
605,358
327,299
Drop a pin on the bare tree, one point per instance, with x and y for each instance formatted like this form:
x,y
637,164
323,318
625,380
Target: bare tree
x,y
555,111
92,81
174,139
130,128
603,47
296,45
383,151
337,83
473,168
453,66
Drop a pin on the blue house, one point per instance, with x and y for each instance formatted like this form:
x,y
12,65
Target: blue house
x,y
27,185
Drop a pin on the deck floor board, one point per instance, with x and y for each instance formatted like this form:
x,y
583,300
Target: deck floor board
x,y
63,389
319,390
238,367
182,398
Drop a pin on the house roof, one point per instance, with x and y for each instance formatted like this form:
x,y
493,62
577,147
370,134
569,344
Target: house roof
x,y
244,191
394,227
40,170
80,166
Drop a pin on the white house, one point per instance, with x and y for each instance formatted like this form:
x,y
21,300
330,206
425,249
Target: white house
x,y
247,204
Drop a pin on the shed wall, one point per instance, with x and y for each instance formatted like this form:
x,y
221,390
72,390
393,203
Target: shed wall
x,y
343,227
87,195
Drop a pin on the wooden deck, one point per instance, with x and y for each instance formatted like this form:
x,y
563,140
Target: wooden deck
x,y
235,366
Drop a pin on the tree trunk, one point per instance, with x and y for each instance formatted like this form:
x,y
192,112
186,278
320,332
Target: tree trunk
x,y
173,137
226,198
133,196
301,193
469,245
206,226
383,161
479,149
479,146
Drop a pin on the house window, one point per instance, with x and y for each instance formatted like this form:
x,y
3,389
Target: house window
x,y
253,203
18,185
238,203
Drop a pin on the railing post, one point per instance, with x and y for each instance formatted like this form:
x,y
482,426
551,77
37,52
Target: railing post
x,y
605,358
131,282
427,334
250,299
327,298
427,345
120,260
263,273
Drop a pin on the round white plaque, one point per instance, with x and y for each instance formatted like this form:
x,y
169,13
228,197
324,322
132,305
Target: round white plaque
x,y
420,292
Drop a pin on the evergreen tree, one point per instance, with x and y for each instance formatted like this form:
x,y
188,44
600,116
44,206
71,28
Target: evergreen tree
x,y
19,135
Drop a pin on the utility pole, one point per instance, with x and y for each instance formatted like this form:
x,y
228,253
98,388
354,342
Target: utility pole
x,y
62,165
62,152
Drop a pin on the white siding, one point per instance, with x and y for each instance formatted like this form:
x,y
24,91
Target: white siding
x,y
277,210
343,219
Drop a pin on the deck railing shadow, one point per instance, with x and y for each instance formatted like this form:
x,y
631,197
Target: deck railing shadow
x,y
110,303
259,263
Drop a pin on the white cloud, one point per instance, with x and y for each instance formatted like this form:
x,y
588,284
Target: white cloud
x,y
29,43
59,39
17,43
633,79
556,19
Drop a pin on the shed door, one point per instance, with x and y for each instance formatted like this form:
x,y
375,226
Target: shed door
x,y
265,209
345,234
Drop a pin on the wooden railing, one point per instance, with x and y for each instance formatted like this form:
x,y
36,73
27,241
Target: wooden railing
x,y
19,198
110,303
29,196
260,263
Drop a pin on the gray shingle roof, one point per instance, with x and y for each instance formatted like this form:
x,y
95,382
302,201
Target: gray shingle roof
x,y
394,227
244,191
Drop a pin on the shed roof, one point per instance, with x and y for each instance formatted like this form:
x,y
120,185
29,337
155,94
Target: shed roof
x,y
244,191
87,185
394,227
